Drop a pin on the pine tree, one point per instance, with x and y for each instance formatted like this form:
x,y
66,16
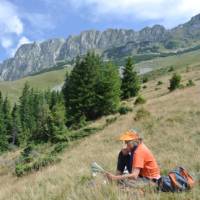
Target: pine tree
x,y
108,90
25,109
57,122
42,131
3,131
16,126
130,81
7,118
80,97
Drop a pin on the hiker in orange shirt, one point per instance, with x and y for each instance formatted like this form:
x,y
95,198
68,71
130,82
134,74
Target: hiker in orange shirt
x,y
137,159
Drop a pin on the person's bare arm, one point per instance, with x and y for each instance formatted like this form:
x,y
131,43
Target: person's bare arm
x,y
133,175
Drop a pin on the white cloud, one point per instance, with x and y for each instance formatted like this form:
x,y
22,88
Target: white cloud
x,y
11,26
168,12
9,19
6,42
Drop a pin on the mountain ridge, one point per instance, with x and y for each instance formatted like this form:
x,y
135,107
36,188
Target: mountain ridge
x,y
110,43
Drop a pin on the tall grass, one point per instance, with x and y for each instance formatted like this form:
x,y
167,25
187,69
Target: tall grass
x,y
171,131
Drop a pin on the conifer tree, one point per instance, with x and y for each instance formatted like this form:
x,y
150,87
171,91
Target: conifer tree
x,y
7,118
108,90
25,112
130,81
3,131
16,126
80,97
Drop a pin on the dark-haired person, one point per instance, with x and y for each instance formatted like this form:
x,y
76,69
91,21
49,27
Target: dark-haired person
x,y
137,159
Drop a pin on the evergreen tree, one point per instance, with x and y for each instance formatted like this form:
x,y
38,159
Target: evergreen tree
x,y
79,92
3,131
16,126
7,118
42,131
130,81
25,110
57,122
108,90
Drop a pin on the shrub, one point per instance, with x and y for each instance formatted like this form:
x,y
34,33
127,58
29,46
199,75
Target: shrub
x,y
110,120
142,114
171,69
59,147
145,79
124,110
159,83
144,87
190,83
175,82
140,100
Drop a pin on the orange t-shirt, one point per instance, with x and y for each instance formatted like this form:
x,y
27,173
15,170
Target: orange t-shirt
x,y
144,159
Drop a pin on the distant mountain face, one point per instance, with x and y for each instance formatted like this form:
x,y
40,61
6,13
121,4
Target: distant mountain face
x,y
111,43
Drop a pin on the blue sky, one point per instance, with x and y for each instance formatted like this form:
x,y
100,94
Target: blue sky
x,y
25,21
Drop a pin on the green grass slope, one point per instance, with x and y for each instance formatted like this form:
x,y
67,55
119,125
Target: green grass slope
x,y
43,81
171,130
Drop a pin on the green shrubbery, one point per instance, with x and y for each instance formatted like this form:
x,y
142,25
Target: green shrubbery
x,y
33,158
190,83
140,100
110,120
159,83
175,82
124,110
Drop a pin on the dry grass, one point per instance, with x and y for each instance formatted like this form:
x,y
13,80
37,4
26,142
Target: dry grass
x,y
172,132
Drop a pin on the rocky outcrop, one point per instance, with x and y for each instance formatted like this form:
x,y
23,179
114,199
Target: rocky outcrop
x,y
32,58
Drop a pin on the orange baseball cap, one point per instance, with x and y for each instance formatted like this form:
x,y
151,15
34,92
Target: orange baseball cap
x,y
129,135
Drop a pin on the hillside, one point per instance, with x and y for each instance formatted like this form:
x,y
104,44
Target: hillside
x,y
171,131
43,81
55,78
111,44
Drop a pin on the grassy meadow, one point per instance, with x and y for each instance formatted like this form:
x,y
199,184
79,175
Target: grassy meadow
x,y
44,81
169,125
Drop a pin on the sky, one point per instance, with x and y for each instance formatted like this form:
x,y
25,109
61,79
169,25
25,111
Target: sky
x,y
25,21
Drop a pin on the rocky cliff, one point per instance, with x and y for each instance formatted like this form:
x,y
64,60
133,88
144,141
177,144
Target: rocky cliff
x,y
32,58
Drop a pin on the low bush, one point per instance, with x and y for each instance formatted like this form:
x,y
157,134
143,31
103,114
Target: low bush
x,y
175,82
190,83
159,83
140,100
124,110
110,120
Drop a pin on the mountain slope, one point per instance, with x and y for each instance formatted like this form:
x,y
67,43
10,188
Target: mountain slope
x,y
44,81
55,78
111,44
171,132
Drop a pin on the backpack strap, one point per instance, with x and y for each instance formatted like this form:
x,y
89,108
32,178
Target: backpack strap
x,y
187,176
174,182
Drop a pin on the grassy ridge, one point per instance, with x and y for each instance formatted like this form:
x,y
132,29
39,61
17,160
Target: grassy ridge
x,y
178,61
43,81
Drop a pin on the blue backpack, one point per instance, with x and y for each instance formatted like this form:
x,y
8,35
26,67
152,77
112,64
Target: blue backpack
x,y
177,180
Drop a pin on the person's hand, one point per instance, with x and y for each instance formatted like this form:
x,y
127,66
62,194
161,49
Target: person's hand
x,y
110,176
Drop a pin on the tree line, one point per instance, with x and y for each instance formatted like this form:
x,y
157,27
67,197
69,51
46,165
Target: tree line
x,y
94,88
